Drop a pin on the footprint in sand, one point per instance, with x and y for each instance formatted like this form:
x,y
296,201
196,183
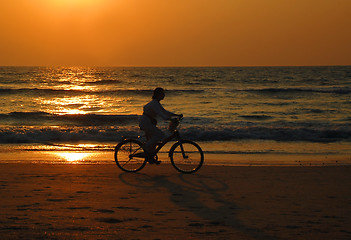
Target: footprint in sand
x,y
129,208
82,192
104,211
78,208
114,220
56,199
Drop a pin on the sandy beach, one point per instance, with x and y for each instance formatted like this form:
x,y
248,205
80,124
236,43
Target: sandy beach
x,y
68,201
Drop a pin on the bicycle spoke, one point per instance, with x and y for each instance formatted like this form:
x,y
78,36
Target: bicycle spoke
x,y
124,155
186,156
126,162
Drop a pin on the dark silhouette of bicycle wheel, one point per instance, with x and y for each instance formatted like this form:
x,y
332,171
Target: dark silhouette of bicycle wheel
x,y
129,155
186,156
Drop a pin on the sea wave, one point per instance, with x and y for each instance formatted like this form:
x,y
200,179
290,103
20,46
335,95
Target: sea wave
x,y
44,118
335,90
103,82
256,117
115,134
148,92
43,91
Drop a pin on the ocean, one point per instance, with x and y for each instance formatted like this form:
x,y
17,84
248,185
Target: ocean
x,y
229,111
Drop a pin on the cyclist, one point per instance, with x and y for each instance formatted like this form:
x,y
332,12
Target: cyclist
x,y
148,123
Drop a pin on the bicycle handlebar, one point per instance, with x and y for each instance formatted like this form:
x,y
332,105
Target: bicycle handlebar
x,y
175,120
177,117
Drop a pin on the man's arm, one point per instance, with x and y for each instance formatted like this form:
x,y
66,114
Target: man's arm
x,y
166,115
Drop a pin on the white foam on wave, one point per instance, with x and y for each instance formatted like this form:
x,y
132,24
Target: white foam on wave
x,y
115,133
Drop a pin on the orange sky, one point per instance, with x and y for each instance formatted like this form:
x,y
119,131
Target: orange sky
x,y
175,32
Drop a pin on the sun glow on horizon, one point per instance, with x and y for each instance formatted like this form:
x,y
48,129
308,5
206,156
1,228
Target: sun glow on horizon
x,y
69,4
174,33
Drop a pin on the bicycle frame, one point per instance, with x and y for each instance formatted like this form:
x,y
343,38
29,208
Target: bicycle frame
x,y
186,156
175,135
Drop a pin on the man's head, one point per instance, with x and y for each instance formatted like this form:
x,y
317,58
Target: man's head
x,y
159,94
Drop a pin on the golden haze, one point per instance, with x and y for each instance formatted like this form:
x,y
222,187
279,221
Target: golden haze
x,y
175,33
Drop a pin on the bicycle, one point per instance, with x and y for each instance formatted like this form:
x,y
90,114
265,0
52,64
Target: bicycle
x,y
186,156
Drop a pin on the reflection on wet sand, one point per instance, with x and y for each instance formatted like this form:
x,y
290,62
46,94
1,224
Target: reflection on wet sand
x,y
74,157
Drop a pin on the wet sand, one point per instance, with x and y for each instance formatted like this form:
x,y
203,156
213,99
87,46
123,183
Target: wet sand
x,y
98,201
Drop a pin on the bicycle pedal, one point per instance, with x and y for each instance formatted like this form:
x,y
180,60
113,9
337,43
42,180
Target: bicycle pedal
x,y
139,155
154,162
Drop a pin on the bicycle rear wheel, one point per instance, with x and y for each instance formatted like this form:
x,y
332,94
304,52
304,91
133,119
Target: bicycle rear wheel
x,y
129,155
186,156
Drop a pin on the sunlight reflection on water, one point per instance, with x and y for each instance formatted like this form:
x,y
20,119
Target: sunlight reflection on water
x,y
74,157
75,105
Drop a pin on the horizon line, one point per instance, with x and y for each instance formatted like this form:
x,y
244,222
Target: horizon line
x,y
177,66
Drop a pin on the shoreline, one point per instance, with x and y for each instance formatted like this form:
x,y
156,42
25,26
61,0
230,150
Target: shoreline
x,y
228,153
81,201
107,157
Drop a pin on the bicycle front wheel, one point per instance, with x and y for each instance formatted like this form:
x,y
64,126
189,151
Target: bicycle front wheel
x,y
186,156
129,155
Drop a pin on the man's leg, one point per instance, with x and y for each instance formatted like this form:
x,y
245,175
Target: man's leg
x,y
155,135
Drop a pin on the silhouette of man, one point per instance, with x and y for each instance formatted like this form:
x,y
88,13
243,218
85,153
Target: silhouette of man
x,y
148,122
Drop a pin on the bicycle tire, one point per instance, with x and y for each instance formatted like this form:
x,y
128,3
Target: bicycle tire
x,y
191,160
124,155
